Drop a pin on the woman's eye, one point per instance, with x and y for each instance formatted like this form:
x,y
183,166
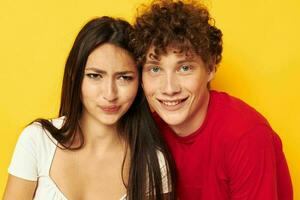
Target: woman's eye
x,y
154,69
185,68
94,76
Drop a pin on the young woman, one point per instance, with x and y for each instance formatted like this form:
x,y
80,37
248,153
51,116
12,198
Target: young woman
x,y
104,145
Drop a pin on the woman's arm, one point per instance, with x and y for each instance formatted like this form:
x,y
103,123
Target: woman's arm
x,y
23,169
19,189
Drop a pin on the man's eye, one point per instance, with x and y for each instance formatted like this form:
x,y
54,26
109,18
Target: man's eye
x,y
185,68
94,76
126,78
155,69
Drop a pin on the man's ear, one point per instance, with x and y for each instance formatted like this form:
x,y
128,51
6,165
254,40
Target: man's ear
x,y
212,68
211,74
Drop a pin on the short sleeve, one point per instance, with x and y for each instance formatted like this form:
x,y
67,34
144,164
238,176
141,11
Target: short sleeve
x,y
284,187
24,160
166,182
251,166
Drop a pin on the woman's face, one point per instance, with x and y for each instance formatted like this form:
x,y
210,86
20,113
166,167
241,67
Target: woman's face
x,y
109,85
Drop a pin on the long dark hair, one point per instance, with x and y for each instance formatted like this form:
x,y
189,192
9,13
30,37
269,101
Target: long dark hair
x,y
136,127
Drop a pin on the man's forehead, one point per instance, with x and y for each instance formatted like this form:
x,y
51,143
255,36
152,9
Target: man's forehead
x,y
155,53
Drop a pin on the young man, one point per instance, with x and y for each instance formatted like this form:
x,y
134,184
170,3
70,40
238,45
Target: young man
x,y
222,147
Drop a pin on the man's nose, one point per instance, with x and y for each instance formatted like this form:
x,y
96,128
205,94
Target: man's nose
x,y
170,86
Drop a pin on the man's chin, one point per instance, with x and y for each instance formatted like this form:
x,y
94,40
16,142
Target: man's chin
x,y
172,119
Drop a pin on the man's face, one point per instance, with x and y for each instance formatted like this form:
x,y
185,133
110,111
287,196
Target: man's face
x,y
175,86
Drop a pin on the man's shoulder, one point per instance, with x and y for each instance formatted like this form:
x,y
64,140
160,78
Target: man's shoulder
x,y
236,111
235,117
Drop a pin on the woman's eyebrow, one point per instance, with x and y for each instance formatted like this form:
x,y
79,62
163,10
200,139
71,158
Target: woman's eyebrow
x,y
95,70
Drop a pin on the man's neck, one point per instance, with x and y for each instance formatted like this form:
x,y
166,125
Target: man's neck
x,y
195,120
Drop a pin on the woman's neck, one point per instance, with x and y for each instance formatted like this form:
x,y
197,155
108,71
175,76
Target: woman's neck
x,y
99,138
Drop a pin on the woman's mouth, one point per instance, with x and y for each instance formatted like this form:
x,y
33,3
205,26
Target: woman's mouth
x,y
110,109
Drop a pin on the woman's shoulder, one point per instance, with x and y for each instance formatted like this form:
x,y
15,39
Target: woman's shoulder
x,y
58,122
161,158
163,163
35,133
33,151
164,170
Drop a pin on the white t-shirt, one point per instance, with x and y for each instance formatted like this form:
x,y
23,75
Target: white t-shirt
x,y
33,156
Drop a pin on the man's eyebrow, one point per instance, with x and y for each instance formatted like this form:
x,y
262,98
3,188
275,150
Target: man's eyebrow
x,y
186,60
124,72
154,62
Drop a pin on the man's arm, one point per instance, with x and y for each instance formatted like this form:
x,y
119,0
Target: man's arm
x,y
252,166
284,186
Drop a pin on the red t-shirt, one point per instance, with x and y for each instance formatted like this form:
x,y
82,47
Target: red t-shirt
x,y
234,154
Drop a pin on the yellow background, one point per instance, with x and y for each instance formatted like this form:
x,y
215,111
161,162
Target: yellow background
x,y
261,62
